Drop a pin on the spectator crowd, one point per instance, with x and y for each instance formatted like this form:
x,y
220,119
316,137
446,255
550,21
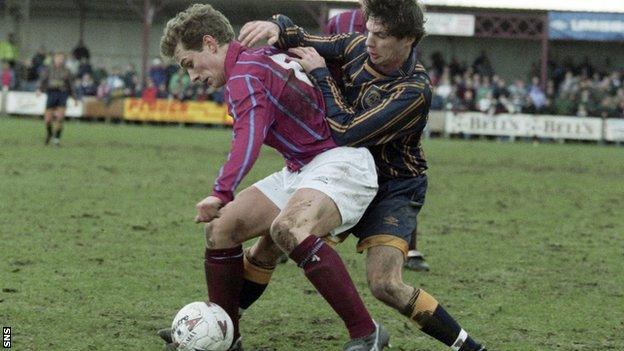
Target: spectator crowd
x,y
571,89
162,81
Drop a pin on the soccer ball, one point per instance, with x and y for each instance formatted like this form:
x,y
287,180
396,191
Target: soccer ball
x,y
202,326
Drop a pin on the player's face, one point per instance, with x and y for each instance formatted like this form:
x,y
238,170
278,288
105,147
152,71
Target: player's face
x,y
386,51
202,66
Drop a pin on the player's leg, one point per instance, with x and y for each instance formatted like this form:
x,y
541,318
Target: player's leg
x,y
58,116
260,261
48,119
384,233
310,213
334,192
249,215
383,265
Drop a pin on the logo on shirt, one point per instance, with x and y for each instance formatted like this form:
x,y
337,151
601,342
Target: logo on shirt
x,y
372,97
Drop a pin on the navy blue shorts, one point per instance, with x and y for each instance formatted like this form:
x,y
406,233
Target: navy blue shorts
x,y
57,98
390,219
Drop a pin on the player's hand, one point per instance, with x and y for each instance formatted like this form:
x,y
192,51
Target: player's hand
x,y
208,209
38,92
254,31
309,58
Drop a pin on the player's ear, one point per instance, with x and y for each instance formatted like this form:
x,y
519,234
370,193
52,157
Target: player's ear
x,y
210,42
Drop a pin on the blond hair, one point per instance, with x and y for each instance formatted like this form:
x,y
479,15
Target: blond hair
x,y
189,27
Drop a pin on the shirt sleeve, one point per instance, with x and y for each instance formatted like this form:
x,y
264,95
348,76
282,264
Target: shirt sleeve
x,y
400,111
252,118
338,47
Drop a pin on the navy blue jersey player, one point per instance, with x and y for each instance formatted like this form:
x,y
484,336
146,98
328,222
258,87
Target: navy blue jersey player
x,y
384,106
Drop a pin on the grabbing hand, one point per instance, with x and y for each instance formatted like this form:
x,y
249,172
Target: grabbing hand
x,y
254,31
310,58
208,209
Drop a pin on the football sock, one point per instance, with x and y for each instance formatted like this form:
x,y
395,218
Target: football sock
x,y
224,278
326,271
433,320
49,131
257,277
57,133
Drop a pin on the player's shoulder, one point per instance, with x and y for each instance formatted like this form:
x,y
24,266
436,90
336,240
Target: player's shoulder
x,y
418,78
257,62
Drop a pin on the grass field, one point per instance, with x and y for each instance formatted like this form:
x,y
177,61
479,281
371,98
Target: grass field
x,y
99,248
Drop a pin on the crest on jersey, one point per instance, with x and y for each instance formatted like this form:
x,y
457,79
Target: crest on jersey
x,y
372,96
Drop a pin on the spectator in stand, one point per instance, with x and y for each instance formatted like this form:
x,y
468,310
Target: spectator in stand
x,y
482,65
565,104
484,89
518,96
438,65
188,94
162,92
86,86
179,84
81,51
150,92
112,87
84,67
99,74
467,103
619,111
537,98
7,76
8,49
487,103
131,81
158,73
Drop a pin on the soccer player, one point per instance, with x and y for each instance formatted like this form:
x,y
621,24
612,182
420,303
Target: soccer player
x,y
354,21
346,22
323,188
56,81
384,107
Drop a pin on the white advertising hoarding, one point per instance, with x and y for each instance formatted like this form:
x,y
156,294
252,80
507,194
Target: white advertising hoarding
x,y
450,24
614,129
481,124
27,103
577,128
524,126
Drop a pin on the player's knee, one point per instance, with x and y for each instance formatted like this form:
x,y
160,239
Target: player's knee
x,y
384,288
282,233
218,236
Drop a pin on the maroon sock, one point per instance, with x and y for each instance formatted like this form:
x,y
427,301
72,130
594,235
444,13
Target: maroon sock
x,y
326,271
224,277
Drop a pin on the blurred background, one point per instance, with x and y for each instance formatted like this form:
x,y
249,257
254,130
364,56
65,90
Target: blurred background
x,y
495,57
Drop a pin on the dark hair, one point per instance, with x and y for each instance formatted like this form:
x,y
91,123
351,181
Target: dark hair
x,y
402,18
189,27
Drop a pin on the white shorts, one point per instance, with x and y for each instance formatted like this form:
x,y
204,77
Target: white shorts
x,y
346,174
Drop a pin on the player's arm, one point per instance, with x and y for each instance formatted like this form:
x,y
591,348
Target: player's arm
x,y
284,34
402,111
252,117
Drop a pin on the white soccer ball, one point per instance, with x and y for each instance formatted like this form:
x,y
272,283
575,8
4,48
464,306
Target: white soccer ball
x,y
202,326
